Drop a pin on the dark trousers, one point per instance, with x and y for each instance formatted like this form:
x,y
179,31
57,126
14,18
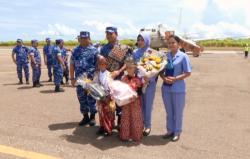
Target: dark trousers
x,y
246,54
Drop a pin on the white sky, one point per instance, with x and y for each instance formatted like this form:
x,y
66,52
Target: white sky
x,y
65,19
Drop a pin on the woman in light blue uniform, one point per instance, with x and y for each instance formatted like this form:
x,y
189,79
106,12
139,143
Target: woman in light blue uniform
x,y
143,41
174,88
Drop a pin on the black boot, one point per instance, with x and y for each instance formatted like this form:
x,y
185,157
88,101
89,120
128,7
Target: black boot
x,y
62,83
67,80
20,81
85,120
101,131
27,81
58,89
34,83
39,84
92,120
50,79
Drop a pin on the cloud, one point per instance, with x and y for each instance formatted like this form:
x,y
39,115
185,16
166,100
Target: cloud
x,y
126,29
98,25
75,4
219,30
58,30
233,5
194,5
129,30
65,18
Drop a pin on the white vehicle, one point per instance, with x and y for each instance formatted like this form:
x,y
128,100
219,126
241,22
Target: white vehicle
x,y
160,35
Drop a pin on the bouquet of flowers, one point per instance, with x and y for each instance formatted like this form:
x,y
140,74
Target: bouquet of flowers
x,y
151,64
119,91
96,90
83,80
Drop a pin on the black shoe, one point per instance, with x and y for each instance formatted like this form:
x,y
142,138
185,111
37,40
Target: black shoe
x,y
20,81
62,83
175,138
101,131
39,84
117,127
146,132
92,120
107,134
50,80
58,89
168,136
85,120
34,84
27,82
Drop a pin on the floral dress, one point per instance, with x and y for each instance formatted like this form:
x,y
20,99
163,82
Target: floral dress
x,y
131,119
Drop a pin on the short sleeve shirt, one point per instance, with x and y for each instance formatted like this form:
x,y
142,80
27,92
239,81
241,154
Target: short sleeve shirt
x,y
182,65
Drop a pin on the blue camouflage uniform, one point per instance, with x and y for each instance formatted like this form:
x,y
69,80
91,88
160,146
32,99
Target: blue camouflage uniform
x,y
47,49
174,94
36,67
64,57
84,60
57,66
22,61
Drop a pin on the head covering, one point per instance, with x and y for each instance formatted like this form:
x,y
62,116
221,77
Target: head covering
x,y
19,40
58,41
111,29
47,39
140,51
34,41
147,39
84,34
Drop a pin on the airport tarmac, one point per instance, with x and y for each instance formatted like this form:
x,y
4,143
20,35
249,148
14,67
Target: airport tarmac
x,y
37,121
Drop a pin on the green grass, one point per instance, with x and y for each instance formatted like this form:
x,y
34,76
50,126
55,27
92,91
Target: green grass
x,y
41,43
229,42
129,42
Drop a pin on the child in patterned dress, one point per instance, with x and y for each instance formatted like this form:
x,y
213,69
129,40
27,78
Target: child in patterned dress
x,y
131,119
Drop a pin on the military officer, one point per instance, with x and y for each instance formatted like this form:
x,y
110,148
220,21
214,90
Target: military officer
x,y
20,58
65,56
246,49
48,59
84,61
58,64
35,63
